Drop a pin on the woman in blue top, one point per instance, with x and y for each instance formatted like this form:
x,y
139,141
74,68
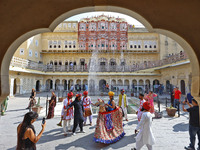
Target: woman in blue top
x,y
111,102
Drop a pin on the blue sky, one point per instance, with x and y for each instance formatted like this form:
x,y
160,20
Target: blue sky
x,y
129,19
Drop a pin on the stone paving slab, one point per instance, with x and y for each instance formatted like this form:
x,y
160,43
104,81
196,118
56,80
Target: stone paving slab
x,y
170,133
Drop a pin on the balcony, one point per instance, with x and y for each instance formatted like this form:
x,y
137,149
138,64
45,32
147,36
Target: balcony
x,y
27,64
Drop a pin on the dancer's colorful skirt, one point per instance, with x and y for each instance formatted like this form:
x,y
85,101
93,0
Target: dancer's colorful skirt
x,y
109,127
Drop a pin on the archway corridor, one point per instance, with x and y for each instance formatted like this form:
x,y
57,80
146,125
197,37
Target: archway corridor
x,y
34,22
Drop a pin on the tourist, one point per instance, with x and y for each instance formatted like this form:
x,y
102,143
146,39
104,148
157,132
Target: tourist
x,y
52,105
26,135
67,114
194,127
177,97
80,88
156,88
172,95
72,88
86,87
109,126
107,87
111,103
87,107
145,135
32,99
139,111
149,97
123,103
77,88
78,113
4,106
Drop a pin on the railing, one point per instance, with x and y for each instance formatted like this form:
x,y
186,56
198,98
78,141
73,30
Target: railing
x,y
19,62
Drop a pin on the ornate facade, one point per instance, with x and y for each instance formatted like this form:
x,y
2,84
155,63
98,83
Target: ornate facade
x,y
96,51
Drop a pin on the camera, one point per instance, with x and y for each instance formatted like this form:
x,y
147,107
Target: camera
x,y
43,120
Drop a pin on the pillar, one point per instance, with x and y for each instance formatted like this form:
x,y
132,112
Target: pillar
x,y
137,87
67,85
110,84
53,83
21,87
11,86
151,85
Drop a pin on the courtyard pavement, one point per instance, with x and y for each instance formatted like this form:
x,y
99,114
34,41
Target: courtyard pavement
x,y
171,133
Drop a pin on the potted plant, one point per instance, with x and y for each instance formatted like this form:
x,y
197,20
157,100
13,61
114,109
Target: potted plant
x,y
171,111
37,108
60,99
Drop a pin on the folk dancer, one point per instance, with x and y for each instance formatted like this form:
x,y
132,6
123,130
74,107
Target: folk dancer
x,y
123,103
139,111
69,96
111,103
67,114
145,135
87,107
109,126
78,113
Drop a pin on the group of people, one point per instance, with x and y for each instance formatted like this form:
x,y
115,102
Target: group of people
x,y
78,88
82,109
109,125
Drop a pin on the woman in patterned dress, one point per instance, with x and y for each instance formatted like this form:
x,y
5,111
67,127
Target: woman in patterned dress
x,y
109,128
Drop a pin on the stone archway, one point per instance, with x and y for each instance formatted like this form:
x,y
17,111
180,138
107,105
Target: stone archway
x,y
37,87
102,85
182,88
160,24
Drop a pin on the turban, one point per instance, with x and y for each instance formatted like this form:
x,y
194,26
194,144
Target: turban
x,y
111,93
85,93
70,94
146,106
122,90
78,95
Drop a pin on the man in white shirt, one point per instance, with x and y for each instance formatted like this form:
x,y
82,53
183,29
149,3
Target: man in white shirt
x,y
145,135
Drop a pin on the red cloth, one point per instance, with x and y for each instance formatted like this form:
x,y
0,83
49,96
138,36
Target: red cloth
x,y
70,94
176,95
146,105
85,93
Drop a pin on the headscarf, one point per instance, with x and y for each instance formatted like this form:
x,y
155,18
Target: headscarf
x,y
111,93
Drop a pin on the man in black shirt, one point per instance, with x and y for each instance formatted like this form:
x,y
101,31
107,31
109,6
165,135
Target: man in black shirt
x,y
78,113
194,127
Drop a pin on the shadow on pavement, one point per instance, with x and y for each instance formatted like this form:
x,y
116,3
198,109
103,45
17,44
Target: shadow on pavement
x,y
87,143
15,110
132,122
181,127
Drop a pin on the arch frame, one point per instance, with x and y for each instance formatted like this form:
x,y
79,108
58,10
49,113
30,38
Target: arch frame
x,y
4,78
